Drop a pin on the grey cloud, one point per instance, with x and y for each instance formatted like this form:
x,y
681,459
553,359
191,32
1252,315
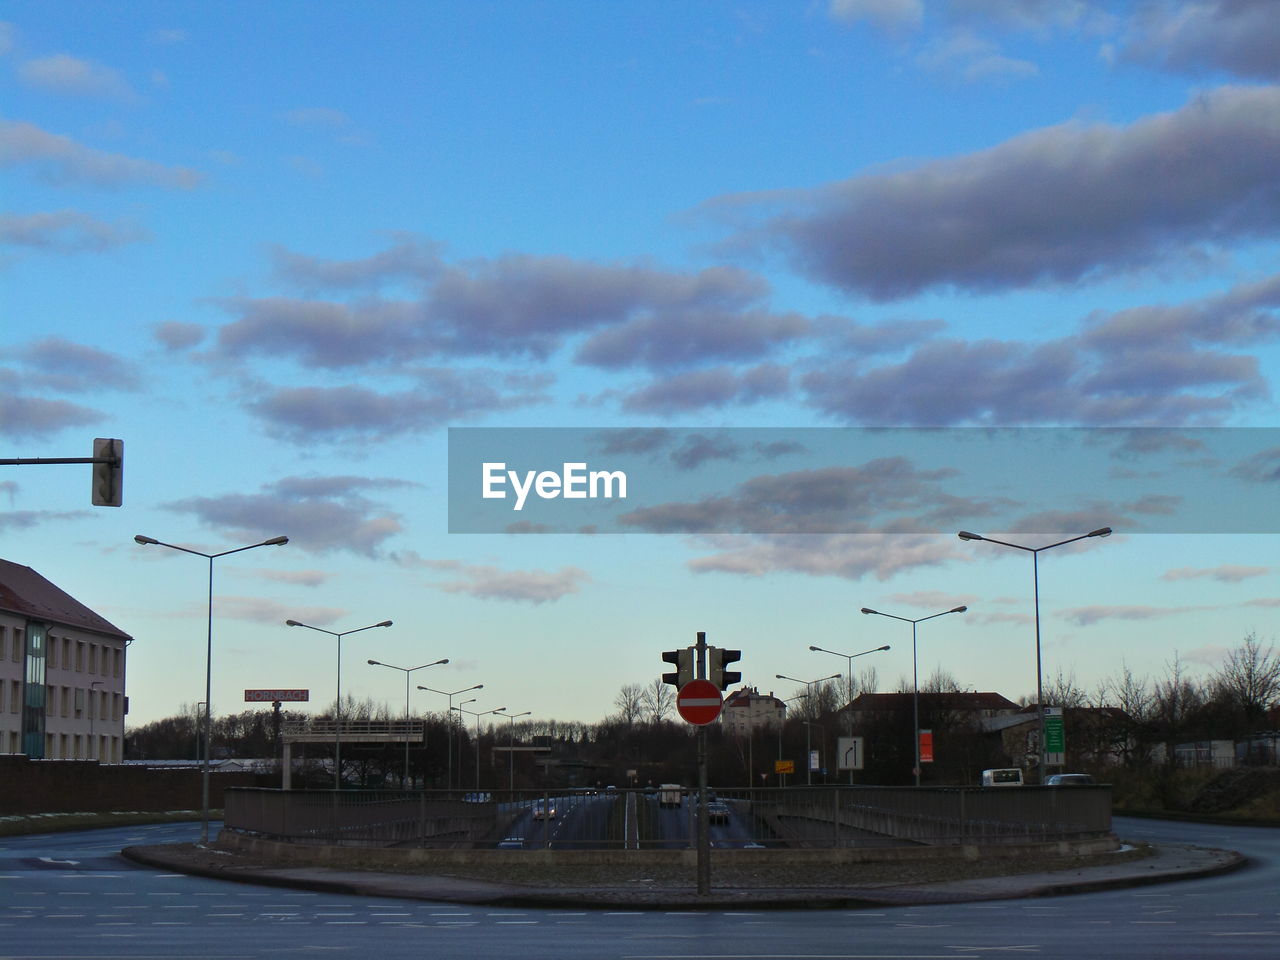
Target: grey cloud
x,y
1087,616
885,493
847,557
890,16
72,76
1262,467
67,231
697,449
260,610
350,412
58,363
29,519
324,334
710,388
409,258
635,440
521,586
1226,573
62,161
1240,37
23,418
316,518
175,335
1063,204
678,339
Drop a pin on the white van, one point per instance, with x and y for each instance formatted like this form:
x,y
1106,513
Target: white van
x,y
1002,777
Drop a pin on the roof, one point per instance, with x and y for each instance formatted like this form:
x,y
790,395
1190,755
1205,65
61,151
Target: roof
x,y
748,696
26,593
960,700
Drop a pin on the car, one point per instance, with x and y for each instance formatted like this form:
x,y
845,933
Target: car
x,y
1069,780
718,811
544,810
511,843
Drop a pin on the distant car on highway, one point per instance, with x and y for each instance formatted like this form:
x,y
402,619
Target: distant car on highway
x,y
511,843
1069,780
669,795
544,810
718,811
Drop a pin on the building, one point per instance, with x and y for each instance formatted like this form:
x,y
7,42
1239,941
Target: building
x,y
62,673
748,709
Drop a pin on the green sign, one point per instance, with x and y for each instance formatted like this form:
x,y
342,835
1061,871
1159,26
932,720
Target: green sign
x,y
1055,737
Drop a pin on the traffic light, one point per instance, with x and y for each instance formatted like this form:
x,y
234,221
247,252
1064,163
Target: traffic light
x,y
716,672
108,472
683,659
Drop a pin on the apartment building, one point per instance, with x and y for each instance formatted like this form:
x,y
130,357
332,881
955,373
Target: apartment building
x,y
62,673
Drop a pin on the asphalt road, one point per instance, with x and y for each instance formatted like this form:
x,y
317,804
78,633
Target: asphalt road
x,y
70,896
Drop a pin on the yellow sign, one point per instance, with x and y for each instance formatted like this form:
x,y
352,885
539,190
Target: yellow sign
x,y
784,766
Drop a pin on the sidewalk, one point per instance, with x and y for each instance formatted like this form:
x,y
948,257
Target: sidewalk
x,y
1169,863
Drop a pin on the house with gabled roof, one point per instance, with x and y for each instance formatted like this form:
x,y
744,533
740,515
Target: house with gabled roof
x,y
62,673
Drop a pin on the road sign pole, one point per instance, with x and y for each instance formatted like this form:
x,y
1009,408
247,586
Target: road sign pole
x,y
704,831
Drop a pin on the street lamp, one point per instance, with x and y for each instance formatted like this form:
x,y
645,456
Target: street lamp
x,y
337,710
208,661
449,744
808,742
482,713
1035,575
915,685
511,744
406,671
849,657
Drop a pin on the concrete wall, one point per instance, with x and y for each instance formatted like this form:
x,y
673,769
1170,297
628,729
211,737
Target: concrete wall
x,y
85,786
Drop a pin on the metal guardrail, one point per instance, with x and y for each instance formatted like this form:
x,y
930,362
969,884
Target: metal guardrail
x,y
795,817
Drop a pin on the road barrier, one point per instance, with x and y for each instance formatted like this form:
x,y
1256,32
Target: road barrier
x,y
789,818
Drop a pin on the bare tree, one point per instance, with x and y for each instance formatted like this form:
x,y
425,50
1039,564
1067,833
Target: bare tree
x,y
630,703
659,699
1064,691
1249,681
1174,699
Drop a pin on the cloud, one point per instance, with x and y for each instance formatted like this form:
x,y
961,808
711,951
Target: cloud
x,y
259,610
1239,37
174,335
710,388
513,306
326,120
301,578
850,557
890,16
66,75
63,162
887,493
972,58
67,231
677,339
60,364
1088,616
518,586
1227,573
29,519
32,418
444,396
409,258
697,449
1158,365
1063,204
318,514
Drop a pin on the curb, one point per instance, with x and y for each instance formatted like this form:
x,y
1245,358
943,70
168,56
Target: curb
x,y
193,860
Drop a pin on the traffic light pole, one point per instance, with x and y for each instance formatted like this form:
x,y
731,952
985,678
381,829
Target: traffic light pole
x,y
704,820
108,461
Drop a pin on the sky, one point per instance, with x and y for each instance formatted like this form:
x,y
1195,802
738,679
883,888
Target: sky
x,y
293,253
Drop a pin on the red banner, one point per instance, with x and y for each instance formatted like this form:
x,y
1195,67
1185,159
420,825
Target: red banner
x,y
926,746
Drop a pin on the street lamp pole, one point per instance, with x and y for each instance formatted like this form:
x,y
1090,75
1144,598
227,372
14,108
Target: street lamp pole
x,y
808,742
482,713
1035,578
208,661
849,657
915,679
406,671
511,744
337,710
449,742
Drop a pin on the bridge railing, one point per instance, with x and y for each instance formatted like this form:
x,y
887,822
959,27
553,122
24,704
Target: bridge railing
x,y
794,817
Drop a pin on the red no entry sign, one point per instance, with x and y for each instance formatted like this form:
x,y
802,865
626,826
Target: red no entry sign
x,y
699,702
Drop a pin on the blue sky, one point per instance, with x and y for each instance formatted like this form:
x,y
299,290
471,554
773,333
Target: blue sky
x,y
280,249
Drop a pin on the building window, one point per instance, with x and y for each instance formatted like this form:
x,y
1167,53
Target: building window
x,y
53,652
80,657
115,662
